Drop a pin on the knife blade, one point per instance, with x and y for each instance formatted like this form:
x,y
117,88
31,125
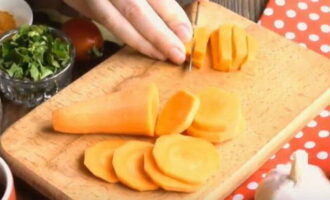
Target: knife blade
x,y
195,23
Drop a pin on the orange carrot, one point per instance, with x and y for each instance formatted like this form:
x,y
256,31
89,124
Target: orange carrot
x,y
131,111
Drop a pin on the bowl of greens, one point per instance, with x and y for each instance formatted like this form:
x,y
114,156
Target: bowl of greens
x,y
35,63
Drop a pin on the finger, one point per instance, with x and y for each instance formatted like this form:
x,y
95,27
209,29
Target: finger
x,y
174,16
147,22
111,18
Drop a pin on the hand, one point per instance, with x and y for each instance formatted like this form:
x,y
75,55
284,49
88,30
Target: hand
x,y
156,28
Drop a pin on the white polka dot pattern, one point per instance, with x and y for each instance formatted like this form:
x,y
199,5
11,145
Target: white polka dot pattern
x,y
322,155
312,124
324,134
252,185
291,13
280,2
302,5
314,16
268,11
313,37
279,24
300,134
238,197
325,113
302,26
309,145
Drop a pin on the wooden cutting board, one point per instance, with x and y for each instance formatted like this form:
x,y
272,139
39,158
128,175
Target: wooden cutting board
x,y
282,90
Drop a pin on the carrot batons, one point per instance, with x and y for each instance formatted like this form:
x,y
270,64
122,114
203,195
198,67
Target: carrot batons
x,y
225,47
132,111
98,159
252,48
201,38
214,39
128,165
240,50
231,48
165,182
219,110
177,114
186,158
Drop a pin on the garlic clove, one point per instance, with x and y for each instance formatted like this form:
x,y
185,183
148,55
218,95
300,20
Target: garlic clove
x,y
300,161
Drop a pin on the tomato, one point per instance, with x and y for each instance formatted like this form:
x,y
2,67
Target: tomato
x,y
86,38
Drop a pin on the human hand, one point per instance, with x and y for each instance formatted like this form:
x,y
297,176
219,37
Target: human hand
x,y
156,28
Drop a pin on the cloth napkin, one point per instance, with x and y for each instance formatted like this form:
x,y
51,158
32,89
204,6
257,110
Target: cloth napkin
x,y
306,22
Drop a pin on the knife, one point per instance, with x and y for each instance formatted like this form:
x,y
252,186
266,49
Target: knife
x,y
189,65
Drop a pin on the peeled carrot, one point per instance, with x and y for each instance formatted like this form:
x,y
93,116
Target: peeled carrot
x,y
98,159
128,165
240,49
188,159
165,182
131,111
177,114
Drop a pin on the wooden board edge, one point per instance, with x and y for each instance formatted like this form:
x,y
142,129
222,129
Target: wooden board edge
x,y
271,147
32,178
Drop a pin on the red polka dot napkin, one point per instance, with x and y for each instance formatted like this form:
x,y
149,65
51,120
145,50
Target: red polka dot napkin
x,y
306,22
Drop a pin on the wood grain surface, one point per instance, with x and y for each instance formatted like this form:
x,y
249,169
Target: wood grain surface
x,y
282,90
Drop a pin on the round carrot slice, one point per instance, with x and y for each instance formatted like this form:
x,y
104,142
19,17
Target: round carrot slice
x,y
98,159
186,158
218,136
128,165
177,114
165,182
219,110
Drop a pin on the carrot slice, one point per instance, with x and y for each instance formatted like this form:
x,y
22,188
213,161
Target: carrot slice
x,y
128,165
217,136
185,158
225,48
201,38
188,47
130,111
240,50
165,182
219,110
98,159
252,48
214,49
177,114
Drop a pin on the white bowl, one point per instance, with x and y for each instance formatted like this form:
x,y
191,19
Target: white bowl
x,y
21,11
6,178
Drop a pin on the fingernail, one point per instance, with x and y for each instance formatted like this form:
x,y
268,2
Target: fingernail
x,y
177,56
184,32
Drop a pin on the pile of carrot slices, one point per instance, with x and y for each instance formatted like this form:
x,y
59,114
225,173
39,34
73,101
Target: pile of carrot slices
x,y
181,159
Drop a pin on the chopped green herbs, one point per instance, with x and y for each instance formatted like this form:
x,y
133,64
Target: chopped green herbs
x,y
33,53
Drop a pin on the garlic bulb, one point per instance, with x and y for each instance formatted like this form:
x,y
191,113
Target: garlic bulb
x,y
295,181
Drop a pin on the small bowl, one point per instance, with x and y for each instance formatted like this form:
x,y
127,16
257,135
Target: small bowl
x,y
32,93
20,10
6,179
